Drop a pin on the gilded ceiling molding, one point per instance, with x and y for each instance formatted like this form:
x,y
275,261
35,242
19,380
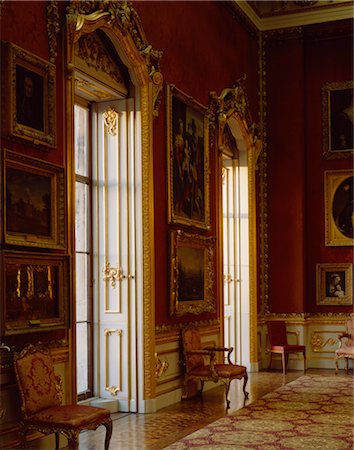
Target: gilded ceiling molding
x,y
52,28
119,16
281,35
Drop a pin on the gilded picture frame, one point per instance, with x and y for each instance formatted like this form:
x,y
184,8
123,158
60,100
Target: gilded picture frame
x,y
35,292
30,93
334,284
192,273
187,160
34,202
337,115
339,207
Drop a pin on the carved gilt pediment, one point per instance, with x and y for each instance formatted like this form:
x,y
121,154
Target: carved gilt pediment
x,y
84,17
92,58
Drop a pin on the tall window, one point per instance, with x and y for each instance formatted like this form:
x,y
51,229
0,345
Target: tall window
x,y
84,309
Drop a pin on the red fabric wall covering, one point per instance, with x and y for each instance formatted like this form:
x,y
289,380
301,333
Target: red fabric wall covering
x,y
327,61
286,176
199,56
296,71
24,23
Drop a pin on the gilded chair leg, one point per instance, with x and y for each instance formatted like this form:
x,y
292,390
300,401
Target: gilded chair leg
x,y
73,440
108,426
337,368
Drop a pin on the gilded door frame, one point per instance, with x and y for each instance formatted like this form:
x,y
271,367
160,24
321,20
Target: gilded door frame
x,y
122,25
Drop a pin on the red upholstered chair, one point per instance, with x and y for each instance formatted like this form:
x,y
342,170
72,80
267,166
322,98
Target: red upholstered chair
x,y
41,395
201,365
346,345
279,344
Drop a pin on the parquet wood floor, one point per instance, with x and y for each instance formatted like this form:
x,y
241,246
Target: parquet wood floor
x,y
156,431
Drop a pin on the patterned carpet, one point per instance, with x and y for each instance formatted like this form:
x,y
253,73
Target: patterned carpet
x,y
312,412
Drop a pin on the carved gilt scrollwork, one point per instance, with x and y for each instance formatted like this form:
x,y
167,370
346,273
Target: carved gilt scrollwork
x,y
161,366
110,117
86,16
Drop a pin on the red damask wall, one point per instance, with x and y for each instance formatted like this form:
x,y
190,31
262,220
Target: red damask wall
x,y
204,49
297,65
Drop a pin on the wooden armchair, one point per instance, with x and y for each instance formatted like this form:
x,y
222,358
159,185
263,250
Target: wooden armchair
x,y
346,345
201,365
41,395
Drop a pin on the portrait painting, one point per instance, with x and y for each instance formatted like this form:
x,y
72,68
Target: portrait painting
x,y
334,284
30,93
191,273
338,119
339,207
34,202
36,293
188,160
29,98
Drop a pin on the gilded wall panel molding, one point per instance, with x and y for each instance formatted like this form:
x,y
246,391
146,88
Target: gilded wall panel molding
x,y
108,332
319,342
52,28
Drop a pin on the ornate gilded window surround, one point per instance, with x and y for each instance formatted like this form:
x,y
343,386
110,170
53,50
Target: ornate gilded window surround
x,y
120,22
231,107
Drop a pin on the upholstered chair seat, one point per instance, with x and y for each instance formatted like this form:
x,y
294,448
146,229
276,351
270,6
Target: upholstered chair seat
x,y
201,365
346,345
41,394
279,344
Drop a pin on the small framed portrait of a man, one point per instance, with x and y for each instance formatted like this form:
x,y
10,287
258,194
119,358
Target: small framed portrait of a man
x,y
338,119
30,90
29,98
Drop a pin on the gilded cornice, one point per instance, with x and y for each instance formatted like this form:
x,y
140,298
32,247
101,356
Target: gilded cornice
x,y
87,16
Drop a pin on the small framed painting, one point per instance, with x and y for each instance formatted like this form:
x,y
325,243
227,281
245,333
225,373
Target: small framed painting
x,y
338,124
31,88
34,200
192,272
34,292
334,284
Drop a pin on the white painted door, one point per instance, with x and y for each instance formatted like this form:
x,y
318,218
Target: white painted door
x,y
114,181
